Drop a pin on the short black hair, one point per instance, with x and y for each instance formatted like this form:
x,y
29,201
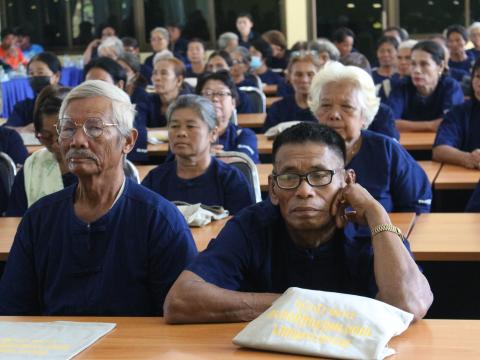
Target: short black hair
x,y
311,132
245,14
224,55
130,42
457,29
263,47
7,31
402,33
433,48
197,40
386,39
49,59
223,76
340,34
110,66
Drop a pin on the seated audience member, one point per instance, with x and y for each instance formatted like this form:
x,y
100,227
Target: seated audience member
x,y
456,40
196,58
343,38
105,246
108,70
397,32
295,239
219,88
456,73
420,102
240,69
111,47
92,48
44,69
387,51
458,136
131,46
280,54
474,36
168,76
300,73
10,53
178,44
136,83
29,50
44,171
227,41
195,176
325,49
221,60
343,98
11,143
261,53
159,40
474,202
244,25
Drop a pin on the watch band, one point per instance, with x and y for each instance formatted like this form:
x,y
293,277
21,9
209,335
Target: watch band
x,y
387,227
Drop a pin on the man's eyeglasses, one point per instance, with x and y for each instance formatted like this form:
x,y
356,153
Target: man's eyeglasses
x,y
316,178
220,94
92,127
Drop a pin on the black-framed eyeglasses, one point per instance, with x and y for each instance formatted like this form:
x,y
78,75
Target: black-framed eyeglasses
x,y
92,127
211,94
315,178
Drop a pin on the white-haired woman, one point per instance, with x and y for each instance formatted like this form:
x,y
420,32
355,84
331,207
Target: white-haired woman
x,y
227,41
474,36
195,176
159,40
343,98
111,47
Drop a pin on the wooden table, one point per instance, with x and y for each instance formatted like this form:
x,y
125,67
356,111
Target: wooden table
x,y
453,177
202,236
446,237
272,99
251,120
417,140
431,168
151,338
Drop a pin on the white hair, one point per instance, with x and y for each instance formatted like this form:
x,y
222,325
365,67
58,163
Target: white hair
x,y
407,44
162,31
164,54
333,72
325,45
123,111
224,39
112,43
474,26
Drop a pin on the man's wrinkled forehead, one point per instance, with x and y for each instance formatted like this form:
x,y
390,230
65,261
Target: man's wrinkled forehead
x,y
97,106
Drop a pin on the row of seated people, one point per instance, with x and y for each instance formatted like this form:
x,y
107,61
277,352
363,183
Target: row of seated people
x,y
109,246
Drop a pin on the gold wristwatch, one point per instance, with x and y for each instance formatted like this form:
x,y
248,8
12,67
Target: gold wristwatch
x,y
387,227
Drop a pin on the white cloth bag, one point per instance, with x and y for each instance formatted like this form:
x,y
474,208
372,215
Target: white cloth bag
x,y
328,324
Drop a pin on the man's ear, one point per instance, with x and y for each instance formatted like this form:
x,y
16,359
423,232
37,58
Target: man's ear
x,y
271,190
130,141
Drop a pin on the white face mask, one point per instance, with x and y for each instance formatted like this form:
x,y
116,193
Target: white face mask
x,y
255,62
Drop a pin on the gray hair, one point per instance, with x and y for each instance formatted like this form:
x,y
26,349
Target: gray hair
x,y
243,52
474,26
408,44
113,43
202,106
334,72
123,111
326,46
164,54
225,38
162,31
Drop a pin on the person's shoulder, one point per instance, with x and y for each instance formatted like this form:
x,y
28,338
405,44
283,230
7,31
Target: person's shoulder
x,y
52,202
258,217
7,135
161,170
447,81
373,137
146,198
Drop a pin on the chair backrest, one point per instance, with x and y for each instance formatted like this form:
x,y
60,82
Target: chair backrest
x,y
257,97
243,163
8,171
131,171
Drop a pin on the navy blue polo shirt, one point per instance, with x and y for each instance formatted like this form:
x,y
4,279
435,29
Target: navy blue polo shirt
x,y
408,104
464,65
221,184
22,113
284,110
122,264
271,78
461,127
474,202
240,139
11,143
384,122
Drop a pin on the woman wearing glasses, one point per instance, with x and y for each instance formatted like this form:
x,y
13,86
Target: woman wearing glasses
x,y
44,171
343,98
220,89
195,176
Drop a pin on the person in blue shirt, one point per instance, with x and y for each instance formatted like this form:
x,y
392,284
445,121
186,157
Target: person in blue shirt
x,y
387,51
280,53
105,246
29,50
260,53
473,204
219,88
474,36
343,97
420,102
167,78
196,58
294,238
246,34
11,143
110,71
240,69
159,40
458,136
384,122
456,40
44,171
300,73
343,38
195,176
43,69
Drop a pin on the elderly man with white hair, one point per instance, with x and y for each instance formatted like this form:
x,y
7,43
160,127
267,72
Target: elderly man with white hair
x,y
104,246
343,98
